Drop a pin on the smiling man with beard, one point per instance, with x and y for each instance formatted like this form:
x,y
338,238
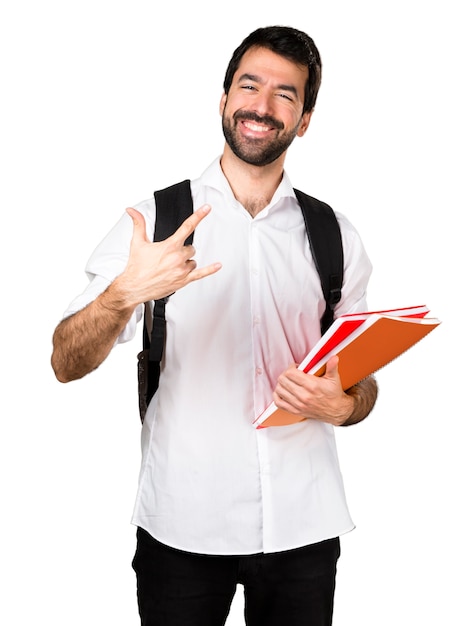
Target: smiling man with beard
x,y
257,143
220,503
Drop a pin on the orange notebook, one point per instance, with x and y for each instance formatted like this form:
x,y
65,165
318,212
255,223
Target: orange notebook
x,y
364,343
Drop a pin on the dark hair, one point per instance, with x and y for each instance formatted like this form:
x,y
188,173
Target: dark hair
x,y
290,43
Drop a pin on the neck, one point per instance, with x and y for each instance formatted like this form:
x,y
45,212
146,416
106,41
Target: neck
x,y
252,186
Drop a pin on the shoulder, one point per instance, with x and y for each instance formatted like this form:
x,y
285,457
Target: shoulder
x,y
350,235
356,259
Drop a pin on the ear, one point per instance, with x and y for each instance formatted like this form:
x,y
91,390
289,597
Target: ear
x,y
304,124
222,103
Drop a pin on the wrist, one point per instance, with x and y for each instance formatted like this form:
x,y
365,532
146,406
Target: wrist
x,y
363,395
354,415
119,298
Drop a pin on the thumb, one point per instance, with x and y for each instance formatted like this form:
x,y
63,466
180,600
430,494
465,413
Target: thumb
x,y
139,223
332,367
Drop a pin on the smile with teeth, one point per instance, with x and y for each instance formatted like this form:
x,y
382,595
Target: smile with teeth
x,y
256,127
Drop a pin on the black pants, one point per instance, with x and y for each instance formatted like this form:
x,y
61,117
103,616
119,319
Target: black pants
x,y
292,588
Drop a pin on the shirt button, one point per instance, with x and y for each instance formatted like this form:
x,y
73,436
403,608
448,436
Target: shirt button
x,y
256,320
259,371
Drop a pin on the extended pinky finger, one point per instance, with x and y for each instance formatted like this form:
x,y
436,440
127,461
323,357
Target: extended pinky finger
x,y
202,272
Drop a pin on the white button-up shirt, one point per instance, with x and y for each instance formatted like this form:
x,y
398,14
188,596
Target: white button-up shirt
x,y
209,481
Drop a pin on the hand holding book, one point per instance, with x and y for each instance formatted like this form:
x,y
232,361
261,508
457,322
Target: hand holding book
x,y
364,342
314,397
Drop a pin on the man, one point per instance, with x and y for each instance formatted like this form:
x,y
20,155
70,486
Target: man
x,y
219,502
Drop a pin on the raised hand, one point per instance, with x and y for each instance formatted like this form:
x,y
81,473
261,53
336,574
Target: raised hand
x,y
157,269
154,270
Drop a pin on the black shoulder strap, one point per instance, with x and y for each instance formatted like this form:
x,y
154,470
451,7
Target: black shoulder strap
x,y
325,239
172,206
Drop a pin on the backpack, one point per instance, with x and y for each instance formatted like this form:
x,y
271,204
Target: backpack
x,y
173,205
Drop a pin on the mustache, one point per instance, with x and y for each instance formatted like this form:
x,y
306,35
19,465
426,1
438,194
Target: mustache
x,y
266,120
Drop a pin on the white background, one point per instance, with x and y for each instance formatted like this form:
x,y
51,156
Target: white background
x,y
102,103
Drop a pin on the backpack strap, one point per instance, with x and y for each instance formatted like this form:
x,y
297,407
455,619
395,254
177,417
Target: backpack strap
x,y
172,206
325,239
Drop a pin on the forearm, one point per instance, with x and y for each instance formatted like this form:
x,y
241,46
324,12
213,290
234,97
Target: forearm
x,y
84,340
364,396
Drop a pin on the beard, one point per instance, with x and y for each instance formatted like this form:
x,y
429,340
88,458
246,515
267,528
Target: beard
x,y
253,151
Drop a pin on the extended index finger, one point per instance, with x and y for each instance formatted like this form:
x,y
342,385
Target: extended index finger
x,y
189,225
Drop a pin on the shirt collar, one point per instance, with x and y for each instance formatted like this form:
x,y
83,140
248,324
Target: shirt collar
x,y
214,177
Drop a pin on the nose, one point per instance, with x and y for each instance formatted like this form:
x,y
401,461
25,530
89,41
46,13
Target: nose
x,y
263,103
